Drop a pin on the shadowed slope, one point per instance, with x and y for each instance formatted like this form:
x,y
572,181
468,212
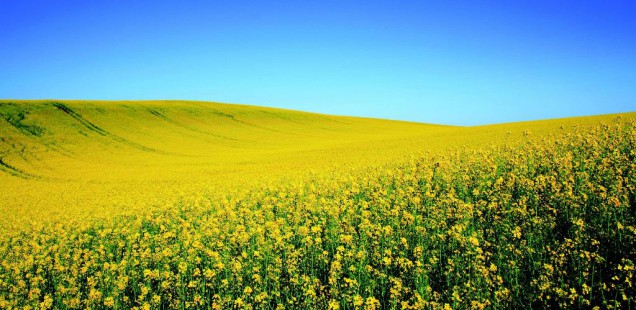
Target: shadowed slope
x,y
38,134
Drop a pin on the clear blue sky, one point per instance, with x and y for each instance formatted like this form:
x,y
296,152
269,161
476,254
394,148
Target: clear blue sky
x,y
452,62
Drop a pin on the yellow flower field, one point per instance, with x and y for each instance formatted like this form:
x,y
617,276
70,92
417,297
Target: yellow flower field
x,y
193,205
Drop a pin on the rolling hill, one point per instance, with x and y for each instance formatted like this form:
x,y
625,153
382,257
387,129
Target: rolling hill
x,y
77,159
178,205
58,156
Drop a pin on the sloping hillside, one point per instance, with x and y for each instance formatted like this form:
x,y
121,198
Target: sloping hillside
x,y
181,205
62,160
67,157
52,139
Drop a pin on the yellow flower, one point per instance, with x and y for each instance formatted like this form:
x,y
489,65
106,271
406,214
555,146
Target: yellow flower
x,y
493,268
517,232
358,301
334,305
109,302
247,290
371,303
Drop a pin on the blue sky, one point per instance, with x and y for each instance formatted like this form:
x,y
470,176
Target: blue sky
x,y
451,62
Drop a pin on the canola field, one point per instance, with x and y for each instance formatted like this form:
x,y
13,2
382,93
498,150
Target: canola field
x,y
194,205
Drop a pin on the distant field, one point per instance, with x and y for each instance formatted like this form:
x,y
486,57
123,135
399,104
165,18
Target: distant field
x,y
178,204
95,159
